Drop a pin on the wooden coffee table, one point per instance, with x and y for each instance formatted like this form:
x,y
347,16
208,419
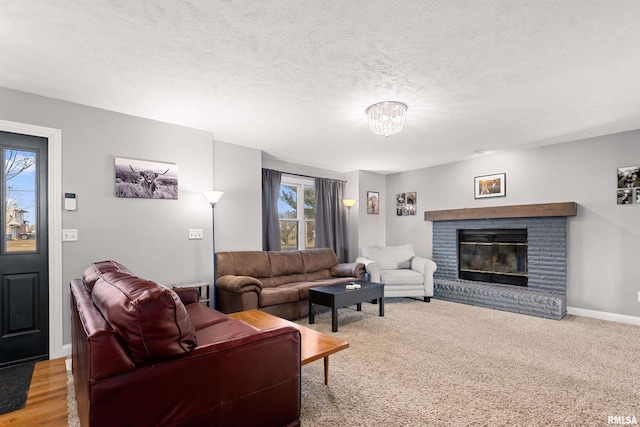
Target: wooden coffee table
x,y
338,296
315,345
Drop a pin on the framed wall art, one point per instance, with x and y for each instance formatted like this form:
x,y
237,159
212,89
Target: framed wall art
x,y
490,186
628,185
373,202
145,179
406,203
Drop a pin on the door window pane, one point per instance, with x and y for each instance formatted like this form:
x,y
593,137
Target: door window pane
x,y
20,180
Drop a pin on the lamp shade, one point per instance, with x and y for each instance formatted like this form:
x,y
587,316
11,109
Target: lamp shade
x,y
349,202
212,196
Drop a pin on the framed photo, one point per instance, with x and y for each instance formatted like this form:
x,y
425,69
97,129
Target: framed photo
x,y
629,185
629,177
373,202
412,198
145,179
406,203
490,186
625,197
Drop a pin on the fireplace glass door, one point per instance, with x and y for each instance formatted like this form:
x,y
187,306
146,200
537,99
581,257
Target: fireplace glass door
x,y
493,255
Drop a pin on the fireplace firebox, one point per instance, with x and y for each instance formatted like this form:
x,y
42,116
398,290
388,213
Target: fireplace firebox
x,y
493,255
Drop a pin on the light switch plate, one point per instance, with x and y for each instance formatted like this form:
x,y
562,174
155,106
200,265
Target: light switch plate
x,y
195,234
70,235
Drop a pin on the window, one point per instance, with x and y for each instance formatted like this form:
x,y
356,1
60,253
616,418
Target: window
x,y
297,213
20,183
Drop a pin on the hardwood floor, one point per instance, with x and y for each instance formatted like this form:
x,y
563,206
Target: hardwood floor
x,y
47,398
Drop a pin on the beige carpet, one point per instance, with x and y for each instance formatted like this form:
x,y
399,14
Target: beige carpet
x,y
448,364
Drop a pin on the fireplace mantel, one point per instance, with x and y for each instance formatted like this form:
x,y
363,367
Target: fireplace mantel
x,y
515,211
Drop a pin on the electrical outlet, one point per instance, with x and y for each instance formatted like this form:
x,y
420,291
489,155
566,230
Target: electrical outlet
x,y
70,235
195,234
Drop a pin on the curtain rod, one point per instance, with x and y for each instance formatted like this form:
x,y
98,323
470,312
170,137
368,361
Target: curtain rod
x,y
308,176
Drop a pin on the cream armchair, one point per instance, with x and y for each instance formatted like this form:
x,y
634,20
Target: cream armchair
x,y
402,272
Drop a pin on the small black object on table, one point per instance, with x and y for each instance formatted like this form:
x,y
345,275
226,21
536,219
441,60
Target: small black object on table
x,y
338,296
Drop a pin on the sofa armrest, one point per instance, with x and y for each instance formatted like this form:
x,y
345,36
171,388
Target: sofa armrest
x,y
239,284
213,385
424,266
351,269
187,295
371,267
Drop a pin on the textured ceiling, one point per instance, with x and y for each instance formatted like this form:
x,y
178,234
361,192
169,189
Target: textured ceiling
x,y
294,77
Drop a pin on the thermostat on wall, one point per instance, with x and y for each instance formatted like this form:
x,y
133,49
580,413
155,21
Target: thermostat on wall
x,y
70,201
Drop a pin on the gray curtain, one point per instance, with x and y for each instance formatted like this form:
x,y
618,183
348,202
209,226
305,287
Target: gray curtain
x,y
270,224
331,217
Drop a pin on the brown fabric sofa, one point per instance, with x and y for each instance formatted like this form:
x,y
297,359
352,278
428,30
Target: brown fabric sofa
x,y
277,282
145,355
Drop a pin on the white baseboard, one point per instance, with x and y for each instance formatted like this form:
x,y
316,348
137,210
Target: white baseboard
x,y
66,350
603,315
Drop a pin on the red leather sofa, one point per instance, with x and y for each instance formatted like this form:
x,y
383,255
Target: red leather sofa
x,y
145,355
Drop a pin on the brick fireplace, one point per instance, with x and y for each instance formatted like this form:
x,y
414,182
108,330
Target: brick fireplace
x,y
545,292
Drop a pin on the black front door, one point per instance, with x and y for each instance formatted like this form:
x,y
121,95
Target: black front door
x,y
24,256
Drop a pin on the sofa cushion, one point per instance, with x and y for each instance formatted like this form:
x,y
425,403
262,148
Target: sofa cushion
x,y
390,257
401,277
243,263
279,295
202,316
150,318
303,287
318,259
286,262
93,272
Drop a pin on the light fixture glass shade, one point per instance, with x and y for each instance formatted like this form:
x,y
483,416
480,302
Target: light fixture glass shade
x,y
387,118
349,202
212,196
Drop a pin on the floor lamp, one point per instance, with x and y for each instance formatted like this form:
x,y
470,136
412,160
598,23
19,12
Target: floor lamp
x,y
348,203
213,197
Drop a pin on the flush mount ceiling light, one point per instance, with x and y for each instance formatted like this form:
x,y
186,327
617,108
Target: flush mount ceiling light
x,y
387,118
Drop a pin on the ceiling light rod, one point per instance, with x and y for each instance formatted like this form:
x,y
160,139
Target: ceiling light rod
x,y
387,118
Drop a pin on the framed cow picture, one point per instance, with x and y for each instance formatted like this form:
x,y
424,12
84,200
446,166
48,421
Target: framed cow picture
x,y
145,179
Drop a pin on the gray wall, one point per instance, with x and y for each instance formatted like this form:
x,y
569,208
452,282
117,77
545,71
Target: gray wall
x,y
371,227
603,239
238,214
149,236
